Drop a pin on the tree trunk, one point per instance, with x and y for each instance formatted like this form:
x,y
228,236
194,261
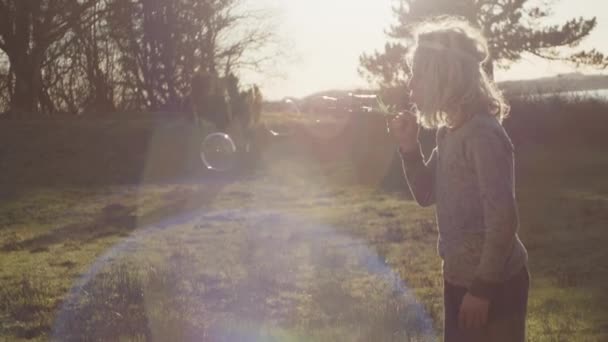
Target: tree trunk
x,y
27,85
26,62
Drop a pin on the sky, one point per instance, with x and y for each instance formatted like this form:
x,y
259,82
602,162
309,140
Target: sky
x,y
321,41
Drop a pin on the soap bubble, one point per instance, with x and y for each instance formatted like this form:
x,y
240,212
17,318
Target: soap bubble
x,y
291,107
218,152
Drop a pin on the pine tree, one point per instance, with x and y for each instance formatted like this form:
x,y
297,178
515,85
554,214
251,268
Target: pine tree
x,y
512,27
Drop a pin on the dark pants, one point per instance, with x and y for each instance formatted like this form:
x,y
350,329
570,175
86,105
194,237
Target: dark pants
x,y
506,318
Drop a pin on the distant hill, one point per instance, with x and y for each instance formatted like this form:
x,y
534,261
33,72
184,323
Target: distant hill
x,y
555,84
338,93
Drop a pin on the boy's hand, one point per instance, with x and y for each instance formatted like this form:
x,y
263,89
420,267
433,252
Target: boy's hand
x,y
473,312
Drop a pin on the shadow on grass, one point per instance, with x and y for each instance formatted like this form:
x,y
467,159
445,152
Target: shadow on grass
x,y
114,219
29,305
119,220
29,300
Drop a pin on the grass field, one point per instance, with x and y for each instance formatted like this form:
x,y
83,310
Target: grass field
x,y
297,251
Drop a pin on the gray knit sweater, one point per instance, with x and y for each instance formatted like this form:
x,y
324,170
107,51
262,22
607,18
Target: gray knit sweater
x,y
470,178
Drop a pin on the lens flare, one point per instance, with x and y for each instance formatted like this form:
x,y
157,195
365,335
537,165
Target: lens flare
x,y
245,283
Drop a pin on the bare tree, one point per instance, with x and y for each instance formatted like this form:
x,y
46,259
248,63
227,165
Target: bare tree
x,y
99,55
164,43
81,70
27,29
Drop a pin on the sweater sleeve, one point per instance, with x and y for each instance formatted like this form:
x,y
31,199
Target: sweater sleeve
x,y
491,154
420,175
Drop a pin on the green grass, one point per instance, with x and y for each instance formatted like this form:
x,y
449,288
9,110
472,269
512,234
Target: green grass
x,y
299,251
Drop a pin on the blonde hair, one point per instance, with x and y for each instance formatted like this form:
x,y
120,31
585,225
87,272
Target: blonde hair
x,y
449,57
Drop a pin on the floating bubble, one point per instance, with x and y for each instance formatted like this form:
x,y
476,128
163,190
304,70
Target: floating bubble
x,y
218,152
291,108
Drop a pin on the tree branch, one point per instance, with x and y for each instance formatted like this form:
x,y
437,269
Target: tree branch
x,y
589,58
